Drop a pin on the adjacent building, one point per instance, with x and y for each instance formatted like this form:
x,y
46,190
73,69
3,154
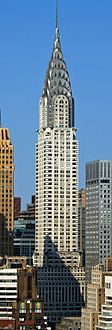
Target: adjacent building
x,y
61,278
17,206
81,222
31,207
6,193
8,284
30,210
98,213
24,237
69,323
105,318
29,314
24,230
61,284
20,306
96,297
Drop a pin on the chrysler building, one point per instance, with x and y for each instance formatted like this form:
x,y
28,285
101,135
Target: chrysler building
x,y
56,235
56,160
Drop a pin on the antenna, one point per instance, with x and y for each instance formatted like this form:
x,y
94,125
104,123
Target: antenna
x,y
56,14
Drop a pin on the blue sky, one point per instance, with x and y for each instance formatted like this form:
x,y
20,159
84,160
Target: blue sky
x,y
26,38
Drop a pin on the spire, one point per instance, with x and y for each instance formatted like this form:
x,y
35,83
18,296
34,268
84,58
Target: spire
x,y
57,77
57,34
56,14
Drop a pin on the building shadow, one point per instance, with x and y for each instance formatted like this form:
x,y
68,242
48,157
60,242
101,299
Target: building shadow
x,y
61,283
6,238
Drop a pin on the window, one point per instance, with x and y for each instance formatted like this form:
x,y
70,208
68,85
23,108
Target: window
x,y
108,285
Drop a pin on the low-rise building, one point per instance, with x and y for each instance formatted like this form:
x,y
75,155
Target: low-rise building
x,y
73,323
20,306
105,318
9,272
29,314
95,295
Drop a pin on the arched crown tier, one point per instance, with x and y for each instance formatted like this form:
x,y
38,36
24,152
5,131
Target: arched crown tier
x,y
56,101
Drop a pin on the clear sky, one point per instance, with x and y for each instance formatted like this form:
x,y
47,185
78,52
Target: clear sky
x,y
26,38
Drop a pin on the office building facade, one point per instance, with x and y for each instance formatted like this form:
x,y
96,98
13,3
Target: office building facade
x,y
98,213
6,193
97,297
105,318
8,284
24,238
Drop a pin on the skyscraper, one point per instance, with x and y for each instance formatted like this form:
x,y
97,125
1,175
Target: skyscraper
x,y
56,161
56,238
6,193
98,212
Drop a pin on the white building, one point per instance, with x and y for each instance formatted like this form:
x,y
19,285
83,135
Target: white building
x,y
8,291
56,162
105,319
61,280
